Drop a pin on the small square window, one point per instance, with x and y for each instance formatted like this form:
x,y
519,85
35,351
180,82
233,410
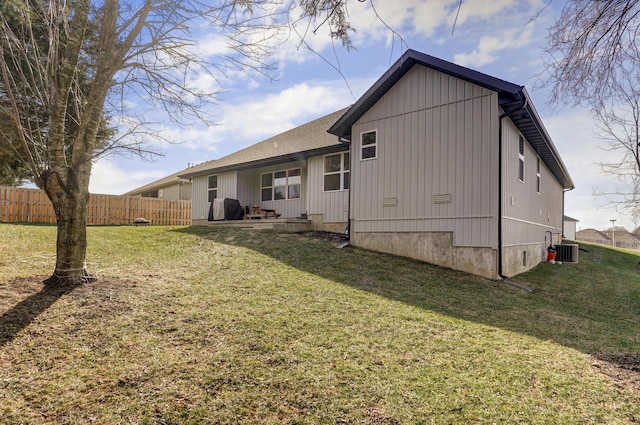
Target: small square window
x,y
336,174
369,141
331,182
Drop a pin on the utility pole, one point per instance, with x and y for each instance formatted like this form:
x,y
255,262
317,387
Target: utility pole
x,y
613,232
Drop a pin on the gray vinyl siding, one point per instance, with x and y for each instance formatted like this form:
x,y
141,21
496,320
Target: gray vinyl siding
x,y
333,205
437,135
199,203
170,192
527,214
227,188
228,185
247,181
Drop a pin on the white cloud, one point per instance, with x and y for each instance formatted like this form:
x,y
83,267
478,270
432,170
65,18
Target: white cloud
x,y
252,119
489,46
482,10
107,177
273,114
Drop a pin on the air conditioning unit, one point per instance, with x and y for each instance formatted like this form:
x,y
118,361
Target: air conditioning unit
x,y
567,253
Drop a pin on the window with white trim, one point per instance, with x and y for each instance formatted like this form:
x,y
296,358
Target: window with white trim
x,y
280,185
336,172
538,178
369,145
212,188
521,159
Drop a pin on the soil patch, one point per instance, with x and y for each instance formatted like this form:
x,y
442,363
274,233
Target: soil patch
x,y
623,369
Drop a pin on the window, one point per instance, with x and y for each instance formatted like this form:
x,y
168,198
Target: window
x,y
336,172
212,188
369,145
538,183
281,185
151,194
521,159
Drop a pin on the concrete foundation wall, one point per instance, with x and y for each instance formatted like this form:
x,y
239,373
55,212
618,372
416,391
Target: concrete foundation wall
x,y
318,224
432,247
518,259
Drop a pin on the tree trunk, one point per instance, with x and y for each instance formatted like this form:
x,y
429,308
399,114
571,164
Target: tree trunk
x,y
70,205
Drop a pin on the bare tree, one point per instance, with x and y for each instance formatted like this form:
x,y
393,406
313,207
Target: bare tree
x,y
618,126
65,66
593,59
588,45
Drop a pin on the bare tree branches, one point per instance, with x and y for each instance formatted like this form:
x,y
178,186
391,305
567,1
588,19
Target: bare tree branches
x,y
588,46
593,59
67,68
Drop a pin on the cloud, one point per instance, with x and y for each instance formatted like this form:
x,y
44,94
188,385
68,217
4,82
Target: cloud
x,y
251,119
107,177
281,111
489,46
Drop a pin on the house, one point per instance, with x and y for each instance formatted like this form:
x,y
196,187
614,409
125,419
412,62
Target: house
x,y
613,236
594,236
569,227
623,239
435,162
303,171
453,167
172,188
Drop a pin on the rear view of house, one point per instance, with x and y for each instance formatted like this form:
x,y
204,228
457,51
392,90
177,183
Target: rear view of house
x,y
301,171
453,167
435,162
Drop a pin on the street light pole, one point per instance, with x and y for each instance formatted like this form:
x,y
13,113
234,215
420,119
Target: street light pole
x,y
613,232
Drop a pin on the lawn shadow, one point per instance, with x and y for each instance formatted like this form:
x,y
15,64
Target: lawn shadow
x,y
569,304
26,311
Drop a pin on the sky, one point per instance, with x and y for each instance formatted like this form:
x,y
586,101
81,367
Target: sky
x,y
502,38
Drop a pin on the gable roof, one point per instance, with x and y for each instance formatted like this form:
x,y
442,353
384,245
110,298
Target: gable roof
x,y
512,98
158,184
310,139
592,235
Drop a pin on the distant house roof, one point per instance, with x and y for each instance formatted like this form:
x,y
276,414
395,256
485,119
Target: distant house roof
x,y
158,184
567,218
592,235
512,98
299,143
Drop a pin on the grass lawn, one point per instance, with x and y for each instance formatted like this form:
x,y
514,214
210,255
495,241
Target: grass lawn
x,y
200,325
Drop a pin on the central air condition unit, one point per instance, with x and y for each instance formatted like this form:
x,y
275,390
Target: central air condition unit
x,y
567,252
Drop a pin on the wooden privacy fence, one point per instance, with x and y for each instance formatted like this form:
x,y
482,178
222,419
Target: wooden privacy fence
x,y
32,206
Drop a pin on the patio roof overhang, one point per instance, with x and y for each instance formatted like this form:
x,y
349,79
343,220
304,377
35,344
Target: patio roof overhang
x,y
266,162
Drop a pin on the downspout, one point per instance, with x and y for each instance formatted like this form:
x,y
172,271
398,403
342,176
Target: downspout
x,y
347,230
563,206
500,242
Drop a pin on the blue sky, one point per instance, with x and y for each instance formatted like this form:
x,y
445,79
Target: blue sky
x,y
503,38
